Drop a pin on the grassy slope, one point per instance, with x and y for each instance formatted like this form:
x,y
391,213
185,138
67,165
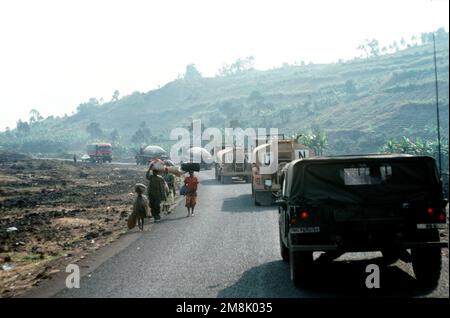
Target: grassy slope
x,y
394,96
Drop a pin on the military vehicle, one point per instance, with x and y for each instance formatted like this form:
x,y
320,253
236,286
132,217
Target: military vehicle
x,y
99,152
232,162
268,160
387,203
146,154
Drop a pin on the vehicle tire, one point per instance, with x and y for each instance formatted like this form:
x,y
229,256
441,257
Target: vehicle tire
x,y
284,250
427,263
301,268
227,180
255,201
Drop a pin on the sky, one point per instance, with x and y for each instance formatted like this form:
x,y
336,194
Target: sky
x,y
55,55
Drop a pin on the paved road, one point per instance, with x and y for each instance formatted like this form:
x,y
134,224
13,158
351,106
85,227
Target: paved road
x,y
230,249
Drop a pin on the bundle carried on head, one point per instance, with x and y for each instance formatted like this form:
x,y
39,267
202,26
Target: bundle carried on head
x,y
140,188
158,165
190,166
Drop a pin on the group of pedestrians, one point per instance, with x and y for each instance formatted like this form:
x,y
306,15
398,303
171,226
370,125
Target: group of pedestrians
x,y
161,192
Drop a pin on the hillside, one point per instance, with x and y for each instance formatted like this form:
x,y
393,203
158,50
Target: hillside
x,y
359,103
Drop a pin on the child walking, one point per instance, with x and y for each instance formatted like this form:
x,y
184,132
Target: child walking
x,y
140,206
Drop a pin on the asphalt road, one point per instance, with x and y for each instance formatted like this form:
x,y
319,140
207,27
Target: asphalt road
x,y
230,248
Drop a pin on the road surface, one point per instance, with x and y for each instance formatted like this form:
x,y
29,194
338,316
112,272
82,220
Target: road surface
x,y
230,248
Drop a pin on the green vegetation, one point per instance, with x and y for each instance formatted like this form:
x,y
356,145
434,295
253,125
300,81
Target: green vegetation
x,y
360,104
317,141
419,147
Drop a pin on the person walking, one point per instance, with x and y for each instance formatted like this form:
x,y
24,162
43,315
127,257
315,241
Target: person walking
x,y
191,183
140,206
170,181
156,192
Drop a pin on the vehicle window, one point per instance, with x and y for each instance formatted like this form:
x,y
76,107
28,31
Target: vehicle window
x,y
366,175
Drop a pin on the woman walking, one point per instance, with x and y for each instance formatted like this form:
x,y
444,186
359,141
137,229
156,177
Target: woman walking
x,y
191,183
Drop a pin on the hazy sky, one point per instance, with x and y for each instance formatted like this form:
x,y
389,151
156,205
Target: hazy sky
x,y
56,54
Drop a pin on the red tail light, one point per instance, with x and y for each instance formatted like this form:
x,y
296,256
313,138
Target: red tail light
x,y
304,215
293,221
442,217
430,211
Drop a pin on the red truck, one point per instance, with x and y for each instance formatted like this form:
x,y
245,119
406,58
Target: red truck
x,y
100,152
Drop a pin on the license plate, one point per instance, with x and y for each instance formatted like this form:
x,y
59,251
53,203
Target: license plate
x,y
431,226
308,229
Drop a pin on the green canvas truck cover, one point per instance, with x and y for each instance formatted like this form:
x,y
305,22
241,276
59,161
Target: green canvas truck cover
x,y
364,179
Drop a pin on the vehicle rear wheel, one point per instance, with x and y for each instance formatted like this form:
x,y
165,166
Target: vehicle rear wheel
x,y
255,200
301,267
427,263
284,250
227,180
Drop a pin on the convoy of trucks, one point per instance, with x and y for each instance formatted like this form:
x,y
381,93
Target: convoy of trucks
x,y
388,203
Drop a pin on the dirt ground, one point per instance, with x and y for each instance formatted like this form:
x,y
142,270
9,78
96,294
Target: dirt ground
x,y
53,213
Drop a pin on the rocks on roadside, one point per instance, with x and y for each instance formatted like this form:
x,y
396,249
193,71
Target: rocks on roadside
x,y
91,235
83,174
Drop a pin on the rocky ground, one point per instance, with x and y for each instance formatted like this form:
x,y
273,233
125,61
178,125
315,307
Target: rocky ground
x,y
54,213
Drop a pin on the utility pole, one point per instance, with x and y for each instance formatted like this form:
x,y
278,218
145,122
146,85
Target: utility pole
x,y
437,106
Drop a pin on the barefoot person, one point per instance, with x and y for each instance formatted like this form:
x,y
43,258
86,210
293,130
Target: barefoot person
x,y
191,184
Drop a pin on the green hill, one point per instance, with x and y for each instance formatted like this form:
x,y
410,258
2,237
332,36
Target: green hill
x,y
359,103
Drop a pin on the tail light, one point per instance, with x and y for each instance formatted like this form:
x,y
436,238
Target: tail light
x,y
297,213
436,214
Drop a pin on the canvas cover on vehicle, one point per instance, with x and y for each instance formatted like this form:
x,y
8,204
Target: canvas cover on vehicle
x,y
376,179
